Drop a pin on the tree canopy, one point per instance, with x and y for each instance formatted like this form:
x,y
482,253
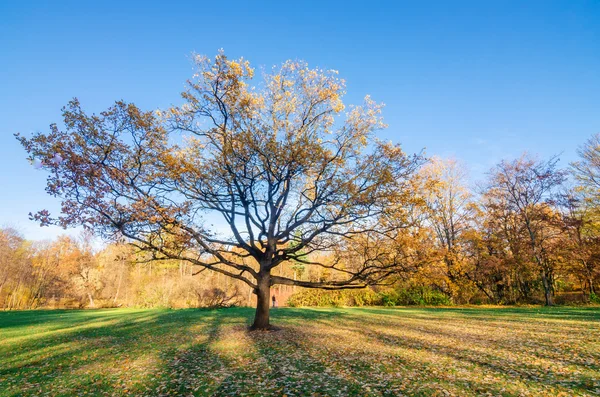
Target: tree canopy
x,y
282,162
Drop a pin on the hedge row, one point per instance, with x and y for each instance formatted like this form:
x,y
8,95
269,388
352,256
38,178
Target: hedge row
x,y
369,297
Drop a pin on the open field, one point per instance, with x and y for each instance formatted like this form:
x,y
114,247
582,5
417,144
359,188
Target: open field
x,y
325,352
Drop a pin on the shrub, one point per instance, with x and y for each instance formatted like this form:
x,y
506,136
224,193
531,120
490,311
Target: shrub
x,y
415,295
362,297
390,298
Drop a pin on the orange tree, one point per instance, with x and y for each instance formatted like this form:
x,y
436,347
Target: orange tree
x,y
284,165
525,189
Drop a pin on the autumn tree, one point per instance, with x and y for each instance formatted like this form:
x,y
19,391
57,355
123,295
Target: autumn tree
x,y
587,169
15,258
499,251
449,207
114,262
283,164
524,190
84,271
582,237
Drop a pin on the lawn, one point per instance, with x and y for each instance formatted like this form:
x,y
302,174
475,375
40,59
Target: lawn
x,y
325,352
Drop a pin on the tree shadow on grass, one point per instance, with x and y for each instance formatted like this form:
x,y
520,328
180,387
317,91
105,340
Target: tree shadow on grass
x,y
98,352
211,353
420,374
517,314
543,337
296,361
234,361
485,355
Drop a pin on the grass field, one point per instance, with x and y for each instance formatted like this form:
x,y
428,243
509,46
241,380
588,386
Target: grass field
x,y
325,352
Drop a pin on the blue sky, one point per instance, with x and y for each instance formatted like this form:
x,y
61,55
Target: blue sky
x,y
480,80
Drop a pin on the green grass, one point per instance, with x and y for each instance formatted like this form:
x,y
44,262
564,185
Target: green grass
x,y
325,352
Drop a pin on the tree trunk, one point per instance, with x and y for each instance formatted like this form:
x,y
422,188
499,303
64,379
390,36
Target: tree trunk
x,y
119,283
294,287
263,298
91,299
481,288
547,289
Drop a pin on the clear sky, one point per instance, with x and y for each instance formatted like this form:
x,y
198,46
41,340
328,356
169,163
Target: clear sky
x,y
478,80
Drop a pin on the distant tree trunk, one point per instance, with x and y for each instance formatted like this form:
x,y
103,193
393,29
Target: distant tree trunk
x,y
4,281
547,289
12,302
294,287
119,283
91,298
480,286
590,278
263,295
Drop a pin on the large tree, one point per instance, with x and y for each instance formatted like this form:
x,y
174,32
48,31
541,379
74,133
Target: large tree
x,y
581,243
587,169
582,215
525,190
450,210
281,165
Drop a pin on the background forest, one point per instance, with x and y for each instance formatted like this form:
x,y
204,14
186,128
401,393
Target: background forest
x,y
530,233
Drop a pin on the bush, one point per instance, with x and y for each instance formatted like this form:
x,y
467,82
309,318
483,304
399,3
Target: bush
x,y
390,298
421,295
416,295
316,297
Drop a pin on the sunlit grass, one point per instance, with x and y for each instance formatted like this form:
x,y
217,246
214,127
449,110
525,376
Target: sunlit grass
x,y
326,352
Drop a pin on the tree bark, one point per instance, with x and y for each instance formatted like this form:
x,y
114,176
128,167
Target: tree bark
x,y
547,289
91,299
119,284
263,295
